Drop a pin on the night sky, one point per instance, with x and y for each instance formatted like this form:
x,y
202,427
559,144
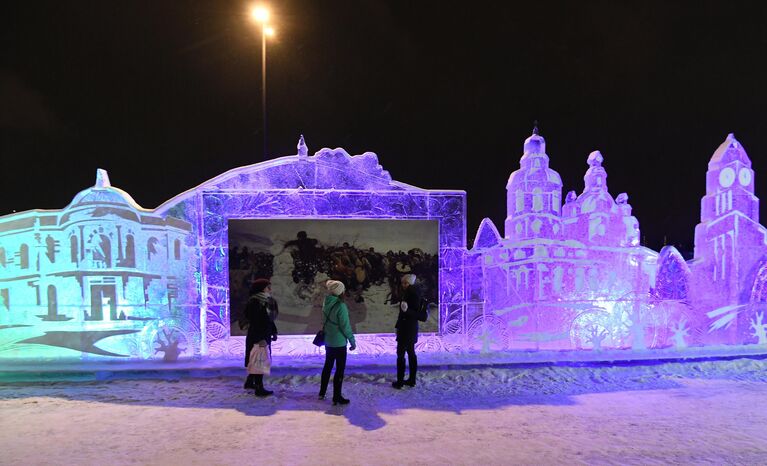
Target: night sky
x,y
167,94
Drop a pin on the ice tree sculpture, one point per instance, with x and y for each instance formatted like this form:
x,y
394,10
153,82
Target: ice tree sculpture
x,y
169,346
760,329
487,338
680,332
673,278
596,336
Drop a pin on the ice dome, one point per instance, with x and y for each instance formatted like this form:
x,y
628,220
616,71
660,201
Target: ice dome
x,y
103,193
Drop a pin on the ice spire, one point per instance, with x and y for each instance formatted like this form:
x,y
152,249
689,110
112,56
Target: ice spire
x,y
533,195
596,176
729,151
535,145
102,179
302,149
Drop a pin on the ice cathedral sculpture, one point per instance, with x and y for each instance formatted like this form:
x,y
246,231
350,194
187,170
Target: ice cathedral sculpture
x,y
579,279
563,276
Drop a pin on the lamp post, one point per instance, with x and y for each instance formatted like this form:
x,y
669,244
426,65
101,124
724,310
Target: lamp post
x,y
261,15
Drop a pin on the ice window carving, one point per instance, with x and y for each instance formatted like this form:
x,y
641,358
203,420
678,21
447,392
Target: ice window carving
x,y
24,256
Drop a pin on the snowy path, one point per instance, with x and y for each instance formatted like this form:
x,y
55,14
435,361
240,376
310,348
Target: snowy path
x,y
702,413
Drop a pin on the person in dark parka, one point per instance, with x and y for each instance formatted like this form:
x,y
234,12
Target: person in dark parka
x,y
260,312
407,331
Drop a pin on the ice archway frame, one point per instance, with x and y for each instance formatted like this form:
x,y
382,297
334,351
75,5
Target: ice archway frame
x,y
329,185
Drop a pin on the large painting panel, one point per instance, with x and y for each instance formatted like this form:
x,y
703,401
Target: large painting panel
x,y
299,255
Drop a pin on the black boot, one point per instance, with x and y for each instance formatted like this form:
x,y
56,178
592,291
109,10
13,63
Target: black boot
x,y
340,400
260,390
250,382
398,384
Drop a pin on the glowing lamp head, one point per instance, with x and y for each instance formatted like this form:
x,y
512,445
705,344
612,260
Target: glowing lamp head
x,y
268,31
260,14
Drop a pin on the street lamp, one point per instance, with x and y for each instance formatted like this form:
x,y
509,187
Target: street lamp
x,y
261,15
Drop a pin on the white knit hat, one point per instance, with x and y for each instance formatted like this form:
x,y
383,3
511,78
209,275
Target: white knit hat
x,y
410,278
335,287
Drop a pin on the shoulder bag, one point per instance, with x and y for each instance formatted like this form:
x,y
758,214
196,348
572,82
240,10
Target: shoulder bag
x,y
319,339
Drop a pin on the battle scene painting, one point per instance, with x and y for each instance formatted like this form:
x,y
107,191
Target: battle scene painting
x,y
368,256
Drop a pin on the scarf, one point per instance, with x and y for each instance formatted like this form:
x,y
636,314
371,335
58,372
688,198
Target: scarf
x,y
261,297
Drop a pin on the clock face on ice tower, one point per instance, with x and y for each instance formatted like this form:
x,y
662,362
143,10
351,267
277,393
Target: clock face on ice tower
x,y
744,177
727,177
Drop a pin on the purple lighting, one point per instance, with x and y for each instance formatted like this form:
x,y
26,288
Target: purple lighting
x,y
117,280
329,185
578,279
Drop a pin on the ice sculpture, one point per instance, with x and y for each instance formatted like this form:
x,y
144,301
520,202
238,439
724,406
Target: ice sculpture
x,y
105,278
100,277
582,281
563,277
730,263
331,184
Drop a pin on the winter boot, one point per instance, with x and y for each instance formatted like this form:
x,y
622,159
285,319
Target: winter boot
x,y
250,382
340,400
260,390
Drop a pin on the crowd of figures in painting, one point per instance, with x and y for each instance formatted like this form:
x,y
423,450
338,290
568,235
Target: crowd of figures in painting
x,y
298,264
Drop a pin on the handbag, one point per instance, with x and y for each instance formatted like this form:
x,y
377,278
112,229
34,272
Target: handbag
x,y
260,360
423,311
319,339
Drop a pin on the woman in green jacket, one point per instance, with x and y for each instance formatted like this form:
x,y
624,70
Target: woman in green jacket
x,y
338,330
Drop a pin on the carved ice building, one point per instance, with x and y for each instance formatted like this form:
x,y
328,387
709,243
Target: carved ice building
x,y
100,267
105,277
727,276
562,277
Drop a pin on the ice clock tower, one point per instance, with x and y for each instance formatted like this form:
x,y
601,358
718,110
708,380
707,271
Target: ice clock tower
x,y
729,241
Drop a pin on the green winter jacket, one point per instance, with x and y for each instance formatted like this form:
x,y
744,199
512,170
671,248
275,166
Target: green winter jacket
x,y
337,327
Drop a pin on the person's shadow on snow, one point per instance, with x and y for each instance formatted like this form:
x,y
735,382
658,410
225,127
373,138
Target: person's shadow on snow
x,y
371,394
359,414
260,409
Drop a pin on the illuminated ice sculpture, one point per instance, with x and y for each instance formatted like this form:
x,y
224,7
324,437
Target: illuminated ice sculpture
x,y
105,278
100,278
578,278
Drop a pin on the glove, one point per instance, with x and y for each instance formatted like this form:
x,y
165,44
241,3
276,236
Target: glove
x,y
274,337
352,347
403,306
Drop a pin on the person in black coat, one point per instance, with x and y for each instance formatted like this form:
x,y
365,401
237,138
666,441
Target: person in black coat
x,y
260,311
407,331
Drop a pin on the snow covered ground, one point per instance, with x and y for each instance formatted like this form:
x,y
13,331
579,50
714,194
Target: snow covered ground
x,y
673,413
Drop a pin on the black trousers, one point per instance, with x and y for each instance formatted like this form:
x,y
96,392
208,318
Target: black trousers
x,y
409,348
335,356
